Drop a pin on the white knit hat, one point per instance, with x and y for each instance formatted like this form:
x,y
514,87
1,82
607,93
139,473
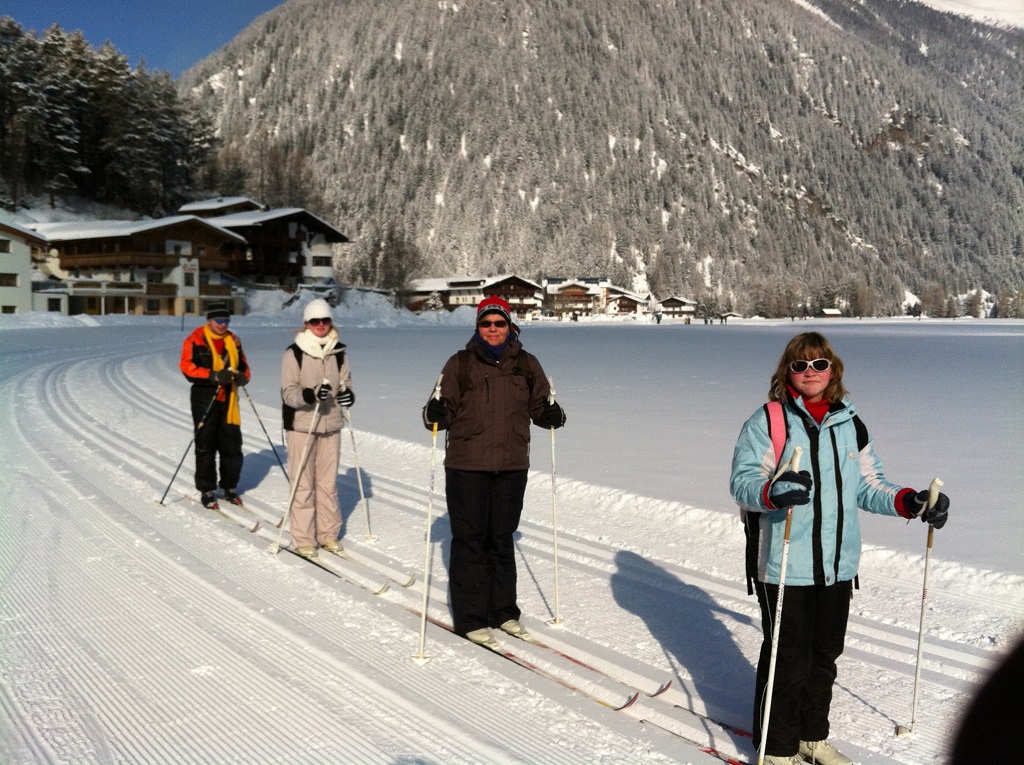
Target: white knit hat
x,y
317,309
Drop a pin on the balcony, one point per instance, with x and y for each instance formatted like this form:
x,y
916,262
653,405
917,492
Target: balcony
x,y
160,289
128,259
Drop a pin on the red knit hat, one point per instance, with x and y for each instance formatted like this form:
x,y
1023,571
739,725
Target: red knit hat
x,y
494,304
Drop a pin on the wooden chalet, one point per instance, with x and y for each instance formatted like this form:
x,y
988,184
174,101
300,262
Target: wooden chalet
x,y
568,298
159,267
621,302
285,246
523,296
678,307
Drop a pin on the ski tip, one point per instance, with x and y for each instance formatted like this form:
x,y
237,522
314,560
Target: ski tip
x,y
662,688
629,701
411,582
383,589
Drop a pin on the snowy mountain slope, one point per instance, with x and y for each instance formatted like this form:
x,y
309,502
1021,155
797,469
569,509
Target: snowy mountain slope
x,y
135,632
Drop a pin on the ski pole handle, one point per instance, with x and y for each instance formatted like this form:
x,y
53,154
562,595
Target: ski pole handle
x,y
933,492
437,387
794,461
551,394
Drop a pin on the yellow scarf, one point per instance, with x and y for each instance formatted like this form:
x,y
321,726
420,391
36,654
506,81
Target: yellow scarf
x,y
234,416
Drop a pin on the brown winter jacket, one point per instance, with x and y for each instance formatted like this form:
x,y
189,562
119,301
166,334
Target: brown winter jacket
x,y
488,423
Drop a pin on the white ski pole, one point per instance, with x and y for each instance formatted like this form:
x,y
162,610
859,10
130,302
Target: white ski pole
x,y
420,658
359,475
554,507
276,546
794,465
933,495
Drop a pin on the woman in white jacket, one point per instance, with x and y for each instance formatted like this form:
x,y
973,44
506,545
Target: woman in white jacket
x,y
315,385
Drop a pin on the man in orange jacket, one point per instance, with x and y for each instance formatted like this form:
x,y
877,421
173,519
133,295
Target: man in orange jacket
x,y
212,360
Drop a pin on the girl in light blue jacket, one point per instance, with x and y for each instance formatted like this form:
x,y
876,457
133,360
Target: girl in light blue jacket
x,y
840,474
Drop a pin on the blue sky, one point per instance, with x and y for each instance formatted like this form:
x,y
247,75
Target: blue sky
x,y
168,35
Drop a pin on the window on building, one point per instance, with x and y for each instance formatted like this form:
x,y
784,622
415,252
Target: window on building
x,y
154,277
152,306
8,280
53,305
190,279
322,260
9,309
5,245
190,306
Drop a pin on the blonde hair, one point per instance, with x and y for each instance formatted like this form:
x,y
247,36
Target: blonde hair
x,y
807,346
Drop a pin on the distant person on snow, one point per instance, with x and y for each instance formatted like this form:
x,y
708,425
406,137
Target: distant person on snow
x,y
490,392
839,474
315,385
213,361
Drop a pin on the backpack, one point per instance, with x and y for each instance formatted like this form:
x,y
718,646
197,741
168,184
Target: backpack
x,y
778,431
288,412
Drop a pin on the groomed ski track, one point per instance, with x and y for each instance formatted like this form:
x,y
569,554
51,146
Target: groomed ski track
x,y
135,632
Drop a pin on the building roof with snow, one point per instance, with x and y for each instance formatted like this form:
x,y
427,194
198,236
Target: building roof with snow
x,y
65,231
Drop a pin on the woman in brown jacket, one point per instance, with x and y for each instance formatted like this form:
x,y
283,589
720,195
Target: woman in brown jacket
x,y
490,392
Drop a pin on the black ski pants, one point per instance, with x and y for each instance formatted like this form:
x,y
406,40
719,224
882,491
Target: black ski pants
x,y
484,509
811,639
215,437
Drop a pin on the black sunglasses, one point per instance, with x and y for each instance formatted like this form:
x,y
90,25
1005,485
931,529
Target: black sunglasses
x,y
818,365
499,323
318,322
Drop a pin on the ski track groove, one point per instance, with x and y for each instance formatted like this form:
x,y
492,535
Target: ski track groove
x,y
176,705
217,620
730,596
89,439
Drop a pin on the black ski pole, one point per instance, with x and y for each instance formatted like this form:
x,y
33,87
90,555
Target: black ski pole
x,y
260,421
189,447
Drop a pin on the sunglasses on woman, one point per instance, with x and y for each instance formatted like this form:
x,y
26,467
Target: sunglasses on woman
x,y
818,365
499,323
318,322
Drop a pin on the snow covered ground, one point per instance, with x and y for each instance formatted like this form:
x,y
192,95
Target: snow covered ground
x,y
134,632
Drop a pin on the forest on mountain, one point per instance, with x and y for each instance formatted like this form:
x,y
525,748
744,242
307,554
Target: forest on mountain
x,y
754,156
758,157
76,120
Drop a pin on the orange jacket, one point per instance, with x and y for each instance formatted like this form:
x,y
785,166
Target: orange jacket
x,y
197,360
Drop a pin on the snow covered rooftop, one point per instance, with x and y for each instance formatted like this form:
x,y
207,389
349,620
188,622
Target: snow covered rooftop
x,y
259,217
14,228
114,229
218,203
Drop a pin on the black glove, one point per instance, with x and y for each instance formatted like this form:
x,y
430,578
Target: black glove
x,y
346,397
435,410
553,416
240,379
791,489
322,392
936,515
223,377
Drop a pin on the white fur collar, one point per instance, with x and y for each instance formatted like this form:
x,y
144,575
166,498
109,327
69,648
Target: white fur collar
x,y
317,347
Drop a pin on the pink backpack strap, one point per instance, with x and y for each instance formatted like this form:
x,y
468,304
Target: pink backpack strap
x,y
776,428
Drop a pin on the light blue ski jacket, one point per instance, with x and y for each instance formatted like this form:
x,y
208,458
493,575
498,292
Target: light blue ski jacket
x,y
825,540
